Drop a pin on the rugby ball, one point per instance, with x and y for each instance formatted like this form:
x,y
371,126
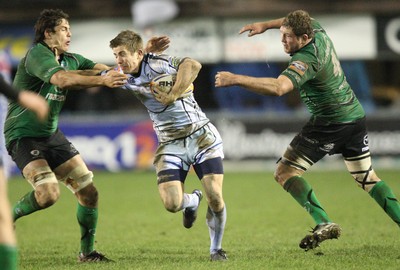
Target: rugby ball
x,y
165,82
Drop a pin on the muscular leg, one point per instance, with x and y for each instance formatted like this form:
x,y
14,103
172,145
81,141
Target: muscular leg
x,y
362,172
174,198
171,194
289,174
211,174
216,211
46,189
76,176
290,178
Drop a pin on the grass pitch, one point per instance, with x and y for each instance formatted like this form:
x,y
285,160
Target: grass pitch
x,y
263,229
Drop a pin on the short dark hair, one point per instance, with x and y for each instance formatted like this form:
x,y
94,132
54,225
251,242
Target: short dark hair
x,y
48,19
132,40
300,23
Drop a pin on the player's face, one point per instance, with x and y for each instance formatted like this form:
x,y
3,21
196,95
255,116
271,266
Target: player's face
x,y
61,37
128,61
291,43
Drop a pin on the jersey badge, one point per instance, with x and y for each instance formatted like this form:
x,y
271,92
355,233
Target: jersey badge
x,y
298,67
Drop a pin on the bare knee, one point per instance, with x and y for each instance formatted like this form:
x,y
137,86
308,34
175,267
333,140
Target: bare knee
x,y
212,184
43,180
88,196
280,176
284,172
277,177
171,194
47,194
172,205
216,203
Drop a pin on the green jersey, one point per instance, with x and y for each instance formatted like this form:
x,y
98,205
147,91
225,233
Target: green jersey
x,y
316,72
34,73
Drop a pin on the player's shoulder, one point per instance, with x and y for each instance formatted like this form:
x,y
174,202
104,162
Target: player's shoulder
x,y
304,59
39,49
305,54
75,56
155,63
38,53
151,58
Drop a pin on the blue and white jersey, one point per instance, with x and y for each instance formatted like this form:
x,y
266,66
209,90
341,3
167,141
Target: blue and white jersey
x,y
175,121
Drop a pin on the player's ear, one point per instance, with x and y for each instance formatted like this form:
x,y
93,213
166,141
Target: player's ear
x,y
140,52
305,37
47,33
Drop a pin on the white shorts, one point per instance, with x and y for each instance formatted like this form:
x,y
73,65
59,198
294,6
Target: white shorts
x,y
204,144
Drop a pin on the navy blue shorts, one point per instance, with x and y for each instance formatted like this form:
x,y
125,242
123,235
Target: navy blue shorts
x,y
317,139
55,149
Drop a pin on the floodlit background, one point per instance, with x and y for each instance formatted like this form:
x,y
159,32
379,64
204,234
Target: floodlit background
x,y
111,128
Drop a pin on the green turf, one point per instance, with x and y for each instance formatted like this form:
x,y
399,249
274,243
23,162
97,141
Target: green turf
x,y
263,229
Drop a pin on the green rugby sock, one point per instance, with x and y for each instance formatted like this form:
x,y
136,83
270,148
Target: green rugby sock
x,y
87,218
302,192
384,196
25,206
8,257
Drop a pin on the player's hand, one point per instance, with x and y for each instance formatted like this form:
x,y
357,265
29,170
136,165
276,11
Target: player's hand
x,y
253,29
114,79
35,103
157,45
163,97
224,79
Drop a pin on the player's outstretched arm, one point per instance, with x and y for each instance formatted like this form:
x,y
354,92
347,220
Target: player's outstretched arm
x,y
97,69
74,81
261,27
260,85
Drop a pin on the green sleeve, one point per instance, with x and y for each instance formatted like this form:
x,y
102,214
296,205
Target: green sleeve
x,y
83,63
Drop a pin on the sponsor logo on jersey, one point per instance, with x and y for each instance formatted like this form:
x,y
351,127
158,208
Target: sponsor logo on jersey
x,y
51,96
299,67
131,80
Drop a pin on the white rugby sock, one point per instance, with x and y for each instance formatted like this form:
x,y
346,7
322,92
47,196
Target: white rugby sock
x,y
216,227
190,201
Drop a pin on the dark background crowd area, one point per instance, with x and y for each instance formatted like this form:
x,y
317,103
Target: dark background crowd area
x,y
376,82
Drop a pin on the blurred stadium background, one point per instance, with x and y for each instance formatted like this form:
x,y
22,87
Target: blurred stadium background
x,y
111,128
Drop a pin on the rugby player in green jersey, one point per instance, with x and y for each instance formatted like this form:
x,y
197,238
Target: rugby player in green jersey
x,y
337,124
40,149
8,249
